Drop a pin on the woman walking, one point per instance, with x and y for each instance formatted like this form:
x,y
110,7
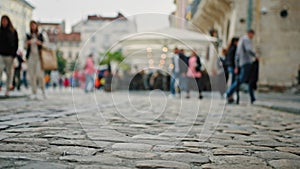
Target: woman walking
x,y
8,49
194,74
34,45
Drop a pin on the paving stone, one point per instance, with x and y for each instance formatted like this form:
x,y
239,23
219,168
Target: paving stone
x,y
161,164
99,167
294,150
165,148
285,164
134,154
82,143
21,148
253,148
2,127
234,166
237,160
32,140
45,165
4,163
240,132
228,142
102,159
38,156
132,146
35,129
150,137
202,145
4,135
229,151
186,157
271,143
73,150
275,155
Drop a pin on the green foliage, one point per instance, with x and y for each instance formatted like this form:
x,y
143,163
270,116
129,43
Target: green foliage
x,y
61,62
112,56
73,65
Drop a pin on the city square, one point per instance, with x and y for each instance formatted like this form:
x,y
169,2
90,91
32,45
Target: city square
x,y
178,84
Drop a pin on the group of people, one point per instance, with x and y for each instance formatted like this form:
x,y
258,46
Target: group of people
x,y
9,52
240,64
186,73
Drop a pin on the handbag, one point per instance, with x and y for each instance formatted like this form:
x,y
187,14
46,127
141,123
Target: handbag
x,y
48,59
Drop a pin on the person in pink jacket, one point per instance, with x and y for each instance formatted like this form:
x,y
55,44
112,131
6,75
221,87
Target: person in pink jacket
x,y
89,71
194,74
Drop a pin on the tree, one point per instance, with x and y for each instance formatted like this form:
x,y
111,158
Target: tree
x,y
111,56
61,62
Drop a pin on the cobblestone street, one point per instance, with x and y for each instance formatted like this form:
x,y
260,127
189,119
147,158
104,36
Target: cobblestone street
x,y
144,130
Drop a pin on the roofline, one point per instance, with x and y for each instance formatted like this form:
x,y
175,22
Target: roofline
x,y
28,4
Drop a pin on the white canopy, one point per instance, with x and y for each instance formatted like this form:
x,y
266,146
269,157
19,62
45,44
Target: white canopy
x,y
167,37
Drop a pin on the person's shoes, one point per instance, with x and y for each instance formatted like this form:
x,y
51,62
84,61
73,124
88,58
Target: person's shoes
x,y
187,96
200,97
11,88
230,100
252,101
6,94
171,96
33,97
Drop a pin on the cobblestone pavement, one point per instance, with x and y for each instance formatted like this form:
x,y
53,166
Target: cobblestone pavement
x,y
144,130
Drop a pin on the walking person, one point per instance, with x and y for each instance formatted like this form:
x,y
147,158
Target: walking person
x,y
89,71
33,44
8,49
244,58
194,75
175,73
230,58
17,70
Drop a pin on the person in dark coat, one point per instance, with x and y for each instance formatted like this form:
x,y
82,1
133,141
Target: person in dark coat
x,y
8,49
230,56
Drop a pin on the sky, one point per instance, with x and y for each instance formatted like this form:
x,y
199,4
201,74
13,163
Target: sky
x,y
72,11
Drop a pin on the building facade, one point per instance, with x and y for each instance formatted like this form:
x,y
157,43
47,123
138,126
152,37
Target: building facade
x,y
276,23
99,34
20,13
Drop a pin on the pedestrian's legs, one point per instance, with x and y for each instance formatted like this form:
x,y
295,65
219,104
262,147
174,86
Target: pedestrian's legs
x,y
8,61
172,84
89,83
199,86
2,65
251,93
33,78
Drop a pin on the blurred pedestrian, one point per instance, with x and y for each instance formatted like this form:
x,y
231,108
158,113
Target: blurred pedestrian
x,y
89,71
178,78
34,43
194,74
17,70
230,61
244,58
8,49
24,74
54,76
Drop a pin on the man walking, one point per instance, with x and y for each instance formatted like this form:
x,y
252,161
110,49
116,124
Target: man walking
x,y
179,71
243,59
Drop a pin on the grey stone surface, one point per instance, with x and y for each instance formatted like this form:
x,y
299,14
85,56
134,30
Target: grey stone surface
x,y
186,157
275,155
132,146
134,154
162,164
285,164
119,134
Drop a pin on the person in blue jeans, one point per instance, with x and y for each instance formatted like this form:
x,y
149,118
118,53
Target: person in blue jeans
x,y
230,58
243,59
179,72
